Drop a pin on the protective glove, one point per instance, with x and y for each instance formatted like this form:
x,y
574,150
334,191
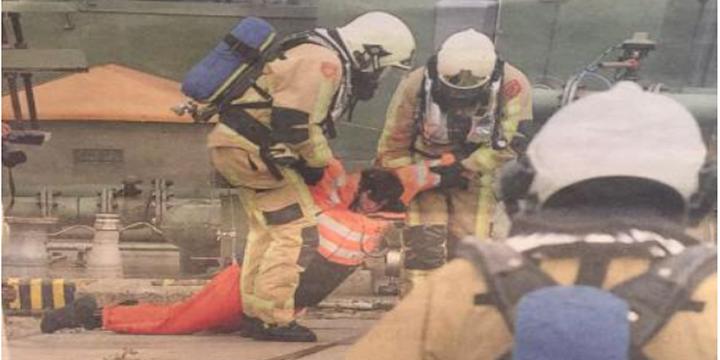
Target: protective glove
x,y
525,131
311,175
281,155
451,176
519,144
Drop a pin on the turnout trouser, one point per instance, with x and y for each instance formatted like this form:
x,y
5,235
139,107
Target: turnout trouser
x,y
281,223
439,215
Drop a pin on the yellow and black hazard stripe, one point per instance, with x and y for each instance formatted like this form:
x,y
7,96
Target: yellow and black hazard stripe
x,y
35,295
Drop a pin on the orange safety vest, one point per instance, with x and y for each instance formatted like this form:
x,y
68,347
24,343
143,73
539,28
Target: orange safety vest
x,y
347,236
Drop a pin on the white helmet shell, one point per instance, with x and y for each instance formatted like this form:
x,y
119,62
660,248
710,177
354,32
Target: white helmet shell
x,y
378,31
466,60
621,132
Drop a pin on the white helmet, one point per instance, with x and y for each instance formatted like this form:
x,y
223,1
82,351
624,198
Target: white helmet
x,y
378,40
466,60
624,132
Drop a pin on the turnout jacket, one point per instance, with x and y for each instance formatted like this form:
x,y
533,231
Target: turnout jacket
x,y
303,84
401,134
439,319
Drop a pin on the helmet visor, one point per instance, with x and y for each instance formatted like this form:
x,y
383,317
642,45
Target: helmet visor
x,y
451,98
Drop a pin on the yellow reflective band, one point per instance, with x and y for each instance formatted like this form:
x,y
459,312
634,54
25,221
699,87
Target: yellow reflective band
x,y
321,153
483,160
237,72
58,291
414,214
386,143
36,302
306,199
257,303
421,174
512,107
341,230
399,162
336,251
485,210
14,283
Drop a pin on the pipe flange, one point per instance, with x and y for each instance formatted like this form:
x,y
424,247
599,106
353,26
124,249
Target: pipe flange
x,y
393,263
570,91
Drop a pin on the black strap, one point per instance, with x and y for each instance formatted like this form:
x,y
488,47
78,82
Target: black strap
x,y
246,51
508,275
498,137
305,37
240,85
420,110
654,296
593,269
335,35
254,105
498,70
262,92
237,119
11,184
666,288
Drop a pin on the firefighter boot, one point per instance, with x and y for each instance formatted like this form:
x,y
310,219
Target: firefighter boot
x,y
79,313
293,332
251,325
424,251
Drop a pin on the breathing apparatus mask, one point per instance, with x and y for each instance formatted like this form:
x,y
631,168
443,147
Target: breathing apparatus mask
x,y
470,110
375,41
365,84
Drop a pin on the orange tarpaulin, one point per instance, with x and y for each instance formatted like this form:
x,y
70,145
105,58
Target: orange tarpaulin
x,y
108,92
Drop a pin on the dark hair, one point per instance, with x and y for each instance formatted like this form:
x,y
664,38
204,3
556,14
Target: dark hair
x,y
382,185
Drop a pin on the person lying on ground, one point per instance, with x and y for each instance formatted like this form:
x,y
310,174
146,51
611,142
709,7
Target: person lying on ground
x,y
355,210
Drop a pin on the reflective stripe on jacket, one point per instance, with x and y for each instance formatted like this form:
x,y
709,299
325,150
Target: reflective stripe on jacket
x,y
346,235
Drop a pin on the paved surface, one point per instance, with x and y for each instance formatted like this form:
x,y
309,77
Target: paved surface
x,y
338,321
27,343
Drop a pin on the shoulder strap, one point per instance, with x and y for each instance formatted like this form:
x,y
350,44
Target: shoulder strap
x,y
507,273
421,105
498,76
666,288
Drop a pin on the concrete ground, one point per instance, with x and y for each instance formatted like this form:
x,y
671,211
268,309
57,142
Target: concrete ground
x,y
25,342
152,277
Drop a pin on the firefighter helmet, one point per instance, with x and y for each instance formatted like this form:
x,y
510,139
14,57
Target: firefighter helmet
x,y
462,71
377,40
466,60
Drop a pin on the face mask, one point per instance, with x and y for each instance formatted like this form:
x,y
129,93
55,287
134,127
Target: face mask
x,y
458,128
365,84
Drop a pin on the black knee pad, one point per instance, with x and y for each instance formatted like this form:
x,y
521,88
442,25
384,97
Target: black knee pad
x,y
320,278
310,243
425,247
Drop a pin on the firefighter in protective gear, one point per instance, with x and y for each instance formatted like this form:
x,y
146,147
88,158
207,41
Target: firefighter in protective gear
x,y
311,86
468,102
609,183
355,211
